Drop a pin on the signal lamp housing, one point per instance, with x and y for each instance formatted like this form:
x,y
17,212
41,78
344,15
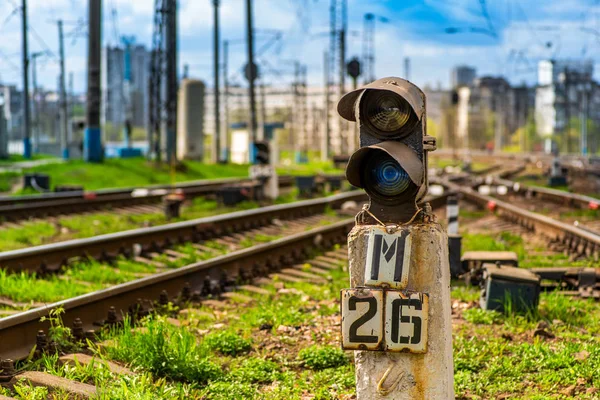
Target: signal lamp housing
x,y
391,164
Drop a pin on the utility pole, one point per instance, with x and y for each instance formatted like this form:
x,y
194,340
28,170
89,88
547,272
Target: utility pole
x,y
263,112
344,145
225,145
34,103
407,68
584,117
342,37
369,47
294,135
127,89
499,122
26,113
304,108
171,75
64,119
217,137
92,141
70,97
568,110
325,138
251,75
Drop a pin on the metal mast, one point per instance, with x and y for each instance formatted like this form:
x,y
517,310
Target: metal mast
x,y
171,79
156,82
26,113
217,136
369,48
92,142
64,116
251,75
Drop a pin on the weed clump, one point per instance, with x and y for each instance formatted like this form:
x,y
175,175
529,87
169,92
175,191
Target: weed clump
x,y
165,350
227,343
321,357
225,390
256,370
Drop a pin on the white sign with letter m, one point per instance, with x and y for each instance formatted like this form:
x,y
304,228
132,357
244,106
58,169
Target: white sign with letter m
x,y
388,258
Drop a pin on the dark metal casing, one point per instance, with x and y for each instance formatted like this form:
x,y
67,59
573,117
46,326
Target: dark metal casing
x,y
508,288
408,147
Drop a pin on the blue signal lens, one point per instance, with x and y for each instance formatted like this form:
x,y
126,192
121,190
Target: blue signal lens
x,y
385,176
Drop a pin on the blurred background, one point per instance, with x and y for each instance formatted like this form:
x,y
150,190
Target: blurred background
x,y
504,75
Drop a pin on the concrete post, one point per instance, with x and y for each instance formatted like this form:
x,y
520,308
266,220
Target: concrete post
x,y
408,375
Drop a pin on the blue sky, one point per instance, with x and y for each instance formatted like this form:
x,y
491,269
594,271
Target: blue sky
x,y
527,30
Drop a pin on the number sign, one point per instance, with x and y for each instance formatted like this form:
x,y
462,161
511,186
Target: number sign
x,y
362,320
388,258
406,322
376,319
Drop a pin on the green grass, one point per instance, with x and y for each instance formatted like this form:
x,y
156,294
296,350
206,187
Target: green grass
x,y
115,173
496,354
164,350
282,346
136,172
322,357
230,362
86,276
27,235
83,226
227,343
13,158
7,179
23,287
504,241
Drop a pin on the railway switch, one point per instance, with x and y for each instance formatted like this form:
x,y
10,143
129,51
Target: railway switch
x,y
396,315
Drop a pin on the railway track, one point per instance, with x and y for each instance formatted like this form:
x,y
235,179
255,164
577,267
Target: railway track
x,y
577,241
140,242
242,269
15,208
197,280
96,309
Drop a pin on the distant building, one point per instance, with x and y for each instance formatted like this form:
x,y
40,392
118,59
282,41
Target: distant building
x,y
463,75
559,99
13,110
490,111
114,107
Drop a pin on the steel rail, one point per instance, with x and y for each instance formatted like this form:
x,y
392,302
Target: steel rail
x,y
23,207
558,196
79,194
577,240
51,257
18,332
14,208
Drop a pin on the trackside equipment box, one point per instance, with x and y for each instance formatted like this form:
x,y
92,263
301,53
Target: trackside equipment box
x,y
505,286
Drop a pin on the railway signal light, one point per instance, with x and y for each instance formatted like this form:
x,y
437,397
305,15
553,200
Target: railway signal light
x,y
399,302
391,163
262,152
